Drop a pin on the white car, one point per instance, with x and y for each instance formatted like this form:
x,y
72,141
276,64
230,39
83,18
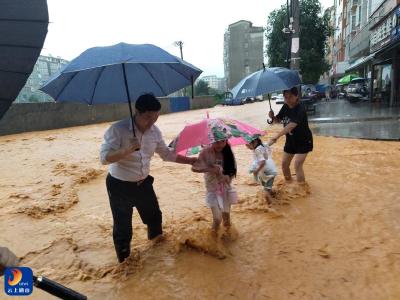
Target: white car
x,y
279,99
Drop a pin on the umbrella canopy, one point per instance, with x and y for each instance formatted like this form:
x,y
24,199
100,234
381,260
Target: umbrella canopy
x,y
264,81
211,130
23,28
120,73
357,79
346,79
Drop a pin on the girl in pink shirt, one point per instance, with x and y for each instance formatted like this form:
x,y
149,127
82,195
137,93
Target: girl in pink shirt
x,y
218,164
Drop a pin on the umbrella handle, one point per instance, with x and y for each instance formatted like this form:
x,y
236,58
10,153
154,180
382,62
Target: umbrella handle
x,y
270,107
57,289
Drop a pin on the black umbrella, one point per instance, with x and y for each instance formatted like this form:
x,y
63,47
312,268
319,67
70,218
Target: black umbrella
x,y
23,28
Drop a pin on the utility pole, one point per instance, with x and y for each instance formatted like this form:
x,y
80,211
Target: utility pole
x,y
180,45
294,27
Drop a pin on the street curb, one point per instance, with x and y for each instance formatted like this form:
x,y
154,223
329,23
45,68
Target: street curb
x,y
359,138
344,120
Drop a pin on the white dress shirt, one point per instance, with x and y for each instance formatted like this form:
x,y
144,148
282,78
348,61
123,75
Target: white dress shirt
x,y
135,166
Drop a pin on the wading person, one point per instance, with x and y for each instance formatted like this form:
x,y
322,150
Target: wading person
x,y
299,140
128,181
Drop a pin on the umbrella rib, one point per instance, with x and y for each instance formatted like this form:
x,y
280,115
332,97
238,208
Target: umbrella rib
x,y
20,46
65,85
176,71
22,20
155,80
95,85
23,73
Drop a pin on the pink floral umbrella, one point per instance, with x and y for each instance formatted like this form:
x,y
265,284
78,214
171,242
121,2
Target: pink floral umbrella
x,y
209,131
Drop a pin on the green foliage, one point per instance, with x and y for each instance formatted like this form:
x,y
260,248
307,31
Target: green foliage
x,y
33,98
314,31
201,88
277,46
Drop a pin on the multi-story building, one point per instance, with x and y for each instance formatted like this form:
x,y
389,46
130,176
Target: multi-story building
x,y
215,82
384,46
45,67
358,44
339,58
367,42
243,51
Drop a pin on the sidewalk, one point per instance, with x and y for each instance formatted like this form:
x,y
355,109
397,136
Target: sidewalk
x,y
358,120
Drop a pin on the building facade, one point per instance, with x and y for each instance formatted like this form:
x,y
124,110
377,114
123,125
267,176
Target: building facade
x,y
215,82
366,42
385,49
45,67
243,51
339,59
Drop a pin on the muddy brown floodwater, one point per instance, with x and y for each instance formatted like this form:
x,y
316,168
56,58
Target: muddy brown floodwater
x,y
338,237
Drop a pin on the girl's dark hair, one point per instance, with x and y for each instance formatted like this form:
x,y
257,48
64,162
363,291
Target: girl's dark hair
x,y
229,161
259,142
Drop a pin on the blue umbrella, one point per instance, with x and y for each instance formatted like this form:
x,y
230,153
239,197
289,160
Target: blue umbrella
x,y
120,73
23,28
266,80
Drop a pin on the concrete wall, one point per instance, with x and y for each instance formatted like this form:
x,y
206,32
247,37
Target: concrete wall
x,y
24,117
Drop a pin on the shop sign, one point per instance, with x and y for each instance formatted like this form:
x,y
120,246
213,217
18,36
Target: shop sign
x,y
381,35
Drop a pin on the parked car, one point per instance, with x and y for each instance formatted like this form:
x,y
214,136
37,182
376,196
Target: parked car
x,y
341,90
307,89
228,101
357,92
228,98
279,99
238,101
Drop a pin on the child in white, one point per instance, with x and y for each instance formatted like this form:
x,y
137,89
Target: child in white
x,y
218,163
263,167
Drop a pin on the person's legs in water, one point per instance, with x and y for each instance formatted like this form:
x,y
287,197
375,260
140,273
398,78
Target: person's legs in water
x,y
268,188
121,208
217,218
147,205
286,160
298,166
226,217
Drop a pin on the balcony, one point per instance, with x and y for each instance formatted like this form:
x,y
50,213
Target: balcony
x,y
354,4
359,43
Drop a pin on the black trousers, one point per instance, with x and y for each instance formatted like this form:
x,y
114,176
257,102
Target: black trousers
x,y
124,195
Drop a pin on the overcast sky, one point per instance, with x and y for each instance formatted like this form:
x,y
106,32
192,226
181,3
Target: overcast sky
x,y
76,25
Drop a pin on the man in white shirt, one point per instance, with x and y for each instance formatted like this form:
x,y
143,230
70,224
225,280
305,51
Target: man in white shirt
x,y
128,182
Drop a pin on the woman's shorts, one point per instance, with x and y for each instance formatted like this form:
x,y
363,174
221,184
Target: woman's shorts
x,y
294,148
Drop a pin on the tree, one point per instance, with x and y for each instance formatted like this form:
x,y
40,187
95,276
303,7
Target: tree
x,y
314,31
34,98
201,88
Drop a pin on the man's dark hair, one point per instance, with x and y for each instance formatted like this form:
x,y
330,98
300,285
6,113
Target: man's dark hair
x,y
147,102
294,91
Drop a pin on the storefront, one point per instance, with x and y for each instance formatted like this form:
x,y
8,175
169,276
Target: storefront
x,y
385,43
